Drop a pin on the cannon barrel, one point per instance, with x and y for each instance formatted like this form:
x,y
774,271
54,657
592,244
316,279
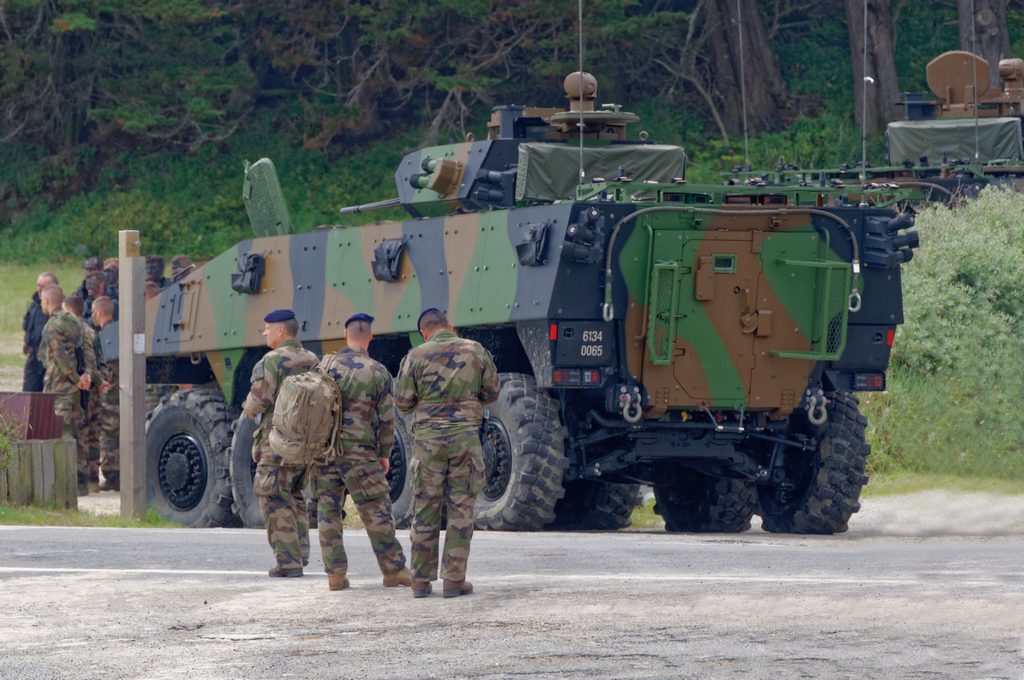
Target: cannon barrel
x,y
356,209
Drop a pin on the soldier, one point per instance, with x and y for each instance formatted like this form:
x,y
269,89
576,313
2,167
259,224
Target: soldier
x,y
93,265
446,382
110,407
179,264
90,428
279,486
32,324
111,272
359,461
96,286
155,271
62,335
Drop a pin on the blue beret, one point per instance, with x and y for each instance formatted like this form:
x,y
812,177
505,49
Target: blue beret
x,y
359,317
279,315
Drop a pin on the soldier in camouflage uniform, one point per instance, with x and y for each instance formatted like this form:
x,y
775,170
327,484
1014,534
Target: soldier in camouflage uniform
x,y
445,382
110,408
62,334
279,486
89,429
360,460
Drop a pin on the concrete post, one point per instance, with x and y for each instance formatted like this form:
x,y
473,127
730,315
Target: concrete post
x,y
132,366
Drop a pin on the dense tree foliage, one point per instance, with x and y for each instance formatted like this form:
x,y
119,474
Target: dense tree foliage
x,y
105,102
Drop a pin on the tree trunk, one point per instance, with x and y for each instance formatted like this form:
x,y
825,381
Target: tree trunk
x,y
882,94
990,40
765,91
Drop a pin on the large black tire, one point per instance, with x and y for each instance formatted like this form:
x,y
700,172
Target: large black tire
x,y
593,505
524,455
245,502
402,504
829,478
187,438
705,504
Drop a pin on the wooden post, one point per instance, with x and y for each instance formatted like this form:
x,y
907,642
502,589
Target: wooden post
x,y
132,367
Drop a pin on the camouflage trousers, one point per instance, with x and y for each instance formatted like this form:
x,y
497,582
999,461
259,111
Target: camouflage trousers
x,y
284,512
110,425
91,433
446,470
68,405
101,434
361,474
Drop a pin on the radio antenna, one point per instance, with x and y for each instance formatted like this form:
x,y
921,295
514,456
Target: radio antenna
x,y
864,116
743,89
974,48
579,5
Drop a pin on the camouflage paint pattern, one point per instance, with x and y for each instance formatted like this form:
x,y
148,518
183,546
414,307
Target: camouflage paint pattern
x,y
279,488
360,472
445,383
61,335
446,470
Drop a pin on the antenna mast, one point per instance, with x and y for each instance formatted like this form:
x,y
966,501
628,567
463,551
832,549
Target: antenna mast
x,y
743,89
864,116
579,5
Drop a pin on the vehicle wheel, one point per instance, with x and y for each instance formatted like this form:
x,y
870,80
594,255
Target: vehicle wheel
x,y
524,457
403,506
186,439
593,505
828,479
243,469
705,504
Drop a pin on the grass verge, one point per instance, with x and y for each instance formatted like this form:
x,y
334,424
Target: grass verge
x,y
52,517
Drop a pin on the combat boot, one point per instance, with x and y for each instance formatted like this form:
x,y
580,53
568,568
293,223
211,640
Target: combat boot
x,y
111,481
421,589
337,581
398,578
456,588
285,573
83,484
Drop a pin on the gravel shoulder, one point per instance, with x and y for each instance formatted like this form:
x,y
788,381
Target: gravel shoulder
x,y
924,514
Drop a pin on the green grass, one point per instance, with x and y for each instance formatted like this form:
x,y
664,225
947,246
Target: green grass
x,y
19,283
901,483
52,517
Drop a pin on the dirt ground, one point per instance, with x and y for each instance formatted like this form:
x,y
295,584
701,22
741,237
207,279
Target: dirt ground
x,y
923,514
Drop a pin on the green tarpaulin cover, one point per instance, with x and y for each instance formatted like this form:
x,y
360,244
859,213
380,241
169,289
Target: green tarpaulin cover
x,y
550,172
997,139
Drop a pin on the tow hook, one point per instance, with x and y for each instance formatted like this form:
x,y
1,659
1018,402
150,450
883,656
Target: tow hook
x,y
816,409
632,409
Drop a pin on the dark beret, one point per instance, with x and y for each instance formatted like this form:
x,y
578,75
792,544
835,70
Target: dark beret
x,y
359,317
425,312
279,315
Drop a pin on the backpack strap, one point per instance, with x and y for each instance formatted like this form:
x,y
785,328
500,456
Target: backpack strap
x,y
324,366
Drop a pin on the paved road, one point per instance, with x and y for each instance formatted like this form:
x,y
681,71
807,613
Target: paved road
x,y
103,603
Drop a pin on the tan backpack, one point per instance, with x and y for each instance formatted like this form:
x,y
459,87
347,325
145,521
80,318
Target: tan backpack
x,y
307,416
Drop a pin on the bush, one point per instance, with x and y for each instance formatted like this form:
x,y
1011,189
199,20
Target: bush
x,y
957,367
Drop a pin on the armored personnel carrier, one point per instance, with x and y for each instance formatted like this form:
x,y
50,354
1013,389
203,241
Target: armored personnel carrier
x,y
945,149
704,340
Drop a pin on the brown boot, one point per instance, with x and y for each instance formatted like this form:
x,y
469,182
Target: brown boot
x,y
337,581
284,573
421,589
398,578
456,588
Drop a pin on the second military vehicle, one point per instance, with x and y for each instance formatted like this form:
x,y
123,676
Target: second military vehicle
x,y
945,149
705,340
